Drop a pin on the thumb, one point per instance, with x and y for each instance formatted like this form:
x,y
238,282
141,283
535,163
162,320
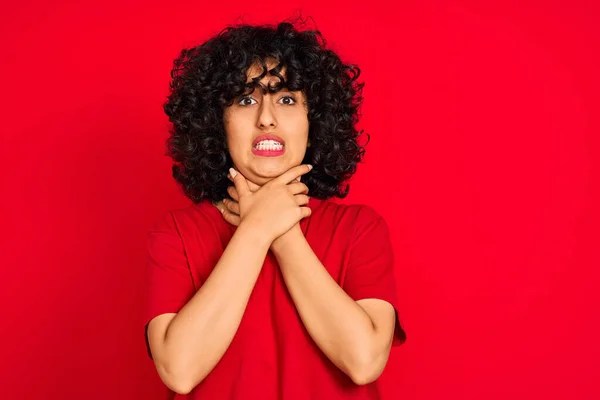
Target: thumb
x,y
253,186
240,182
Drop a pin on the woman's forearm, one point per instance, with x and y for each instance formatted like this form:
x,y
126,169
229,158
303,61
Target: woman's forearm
x,y
337,324
201,332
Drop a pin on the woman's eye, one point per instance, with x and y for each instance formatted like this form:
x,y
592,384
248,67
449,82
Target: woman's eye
x,y
287,100
247,101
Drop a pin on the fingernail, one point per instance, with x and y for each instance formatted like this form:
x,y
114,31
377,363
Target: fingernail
x,y
232,172
310,167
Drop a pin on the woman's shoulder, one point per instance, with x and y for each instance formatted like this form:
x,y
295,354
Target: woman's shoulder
x,y
360,212
349,218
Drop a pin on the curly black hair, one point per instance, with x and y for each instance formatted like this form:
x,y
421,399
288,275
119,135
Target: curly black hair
x,y
206,79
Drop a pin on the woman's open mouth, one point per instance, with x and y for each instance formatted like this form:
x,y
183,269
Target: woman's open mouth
x,y
268,148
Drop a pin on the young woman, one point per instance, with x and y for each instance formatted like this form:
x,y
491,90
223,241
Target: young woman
x,y
258,291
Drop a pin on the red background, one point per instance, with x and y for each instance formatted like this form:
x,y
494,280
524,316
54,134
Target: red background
x,y
484,160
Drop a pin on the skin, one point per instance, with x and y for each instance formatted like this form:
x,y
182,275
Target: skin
x,y
355,335
283,113
187,345
270,202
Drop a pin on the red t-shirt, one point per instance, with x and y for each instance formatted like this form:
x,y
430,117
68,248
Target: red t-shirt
x,y
272,356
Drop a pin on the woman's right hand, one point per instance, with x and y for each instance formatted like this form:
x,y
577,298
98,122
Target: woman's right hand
x,y
273,209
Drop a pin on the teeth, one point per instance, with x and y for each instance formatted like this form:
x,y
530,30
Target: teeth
x,y
269,145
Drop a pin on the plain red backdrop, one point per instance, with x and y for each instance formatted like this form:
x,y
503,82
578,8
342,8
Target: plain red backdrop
x,y
484,123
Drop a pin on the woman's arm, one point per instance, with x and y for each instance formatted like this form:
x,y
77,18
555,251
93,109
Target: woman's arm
x,y
186,346
355,335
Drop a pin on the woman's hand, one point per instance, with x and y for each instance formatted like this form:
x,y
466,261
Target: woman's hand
x,y
231,208
272,209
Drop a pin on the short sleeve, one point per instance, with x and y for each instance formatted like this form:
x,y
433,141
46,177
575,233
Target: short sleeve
x,y
169,281
370,271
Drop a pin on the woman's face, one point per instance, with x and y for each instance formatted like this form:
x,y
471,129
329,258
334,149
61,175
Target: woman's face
x,y
266,134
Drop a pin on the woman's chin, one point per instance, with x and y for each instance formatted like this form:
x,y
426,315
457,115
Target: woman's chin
x,y
261,170
264,173
262,176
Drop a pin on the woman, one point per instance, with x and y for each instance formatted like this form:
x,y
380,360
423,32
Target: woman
x,y
257,290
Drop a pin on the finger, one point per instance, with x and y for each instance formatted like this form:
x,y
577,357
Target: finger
x,y
253,186
232,206
298,188
301,199
221,207
306,211
241,184
233,193
231,218
292,174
